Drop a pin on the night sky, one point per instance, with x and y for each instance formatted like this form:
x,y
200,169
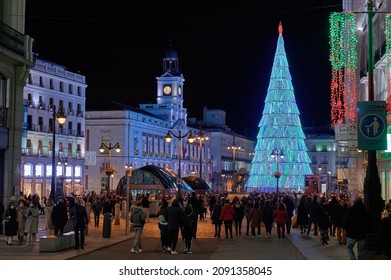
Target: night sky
x,y
226,51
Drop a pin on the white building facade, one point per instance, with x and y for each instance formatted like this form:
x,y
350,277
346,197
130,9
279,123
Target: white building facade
x,y
51,88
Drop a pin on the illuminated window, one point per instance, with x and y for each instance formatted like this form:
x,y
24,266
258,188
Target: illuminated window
x,y
39,170
68,171
49,170
78,171
28,170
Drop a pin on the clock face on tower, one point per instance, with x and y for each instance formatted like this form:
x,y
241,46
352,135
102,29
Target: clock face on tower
x,y
179,91
167,90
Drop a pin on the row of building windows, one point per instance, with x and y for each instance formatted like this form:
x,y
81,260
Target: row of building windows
x,y
56,85
40,170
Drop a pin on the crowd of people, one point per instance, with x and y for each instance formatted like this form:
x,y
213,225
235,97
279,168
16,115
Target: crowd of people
x,y
323,216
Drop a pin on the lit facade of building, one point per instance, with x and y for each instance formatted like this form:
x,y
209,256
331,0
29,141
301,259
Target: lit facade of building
x,y
50,88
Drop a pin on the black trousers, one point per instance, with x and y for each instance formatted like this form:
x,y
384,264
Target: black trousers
x,y
79,236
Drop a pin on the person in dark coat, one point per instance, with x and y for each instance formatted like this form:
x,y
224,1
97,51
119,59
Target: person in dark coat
x,y
80,221
59,216
189,219
174,217
357,223
302,214
239,215
11,223
195,203
383,238
339,211
216,217
267,217
323,221
332,204
313,211
163,227
290,207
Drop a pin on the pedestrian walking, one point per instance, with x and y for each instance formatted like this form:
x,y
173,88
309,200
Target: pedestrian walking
x,y
137,220
302,214
280,215
97,209
163,227
239,216
267,217
59,216
255,219
21,218
10,221
339,211
79,217
227,216
323,221
195,203
215,216
290,207
188,221
31,227
48,216
174,217
2,209
313,211
357,223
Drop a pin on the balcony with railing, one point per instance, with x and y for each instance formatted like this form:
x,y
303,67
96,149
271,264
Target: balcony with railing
x,y
12,40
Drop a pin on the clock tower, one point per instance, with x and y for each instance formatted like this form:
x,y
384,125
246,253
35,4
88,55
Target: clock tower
x,y
169,90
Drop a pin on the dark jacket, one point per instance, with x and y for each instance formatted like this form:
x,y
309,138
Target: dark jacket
x,y
357,221
267,214
79,216
383,241
137,218
11,224
216,213
302,214
174,216
239,212
60,215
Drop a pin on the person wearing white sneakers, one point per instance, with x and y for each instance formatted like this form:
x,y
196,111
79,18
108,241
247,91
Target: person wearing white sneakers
x,y
137,220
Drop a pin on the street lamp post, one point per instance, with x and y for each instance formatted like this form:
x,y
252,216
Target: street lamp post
x,y
61,118
168,139
276,154
234,148
328,180
201,136
109,171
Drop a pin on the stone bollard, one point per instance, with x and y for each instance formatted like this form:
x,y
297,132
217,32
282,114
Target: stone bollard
x,y
116,216
123,212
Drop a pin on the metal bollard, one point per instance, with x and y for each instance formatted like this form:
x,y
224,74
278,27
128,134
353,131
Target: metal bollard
x,y
107,225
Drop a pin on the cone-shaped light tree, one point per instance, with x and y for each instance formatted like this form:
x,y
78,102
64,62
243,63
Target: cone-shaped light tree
x,y
280,160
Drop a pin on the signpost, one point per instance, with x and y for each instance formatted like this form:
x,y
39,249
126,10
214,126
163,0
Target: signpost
x,y
372,125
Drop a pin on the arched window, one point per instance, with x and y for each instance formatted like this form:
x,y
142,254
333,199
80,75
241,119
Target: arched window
x,y
39,170
28,170
78,171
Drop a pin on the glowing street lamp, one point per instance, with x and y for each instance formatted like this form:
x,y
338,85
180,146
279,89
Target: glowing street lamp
x,y
109,170
61,118
168,139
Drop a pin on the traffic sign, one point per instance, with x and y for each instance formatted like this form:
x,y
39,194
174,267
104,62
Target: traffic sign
x,y
372,125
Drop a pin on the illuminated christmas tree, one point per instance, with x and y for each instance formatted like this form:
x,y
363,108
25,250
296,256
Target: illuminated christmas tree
x,y
280,133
